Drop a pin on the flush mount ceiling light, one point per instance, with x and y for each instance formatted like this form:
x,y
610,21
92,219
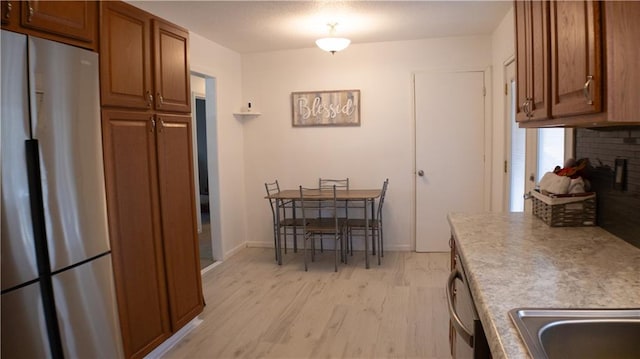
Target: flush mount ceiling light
x,y
333,44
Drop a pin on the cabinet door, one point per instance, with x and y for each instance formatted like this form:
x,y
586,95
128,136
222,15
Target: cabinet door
x,y
134,225
9,14
125,51
532,60
175,173
540,61
171,58
576,82
72,19
523,59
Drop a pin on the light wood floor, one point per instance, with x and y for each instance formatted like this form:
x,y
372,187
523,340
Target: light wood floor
x,y
257,309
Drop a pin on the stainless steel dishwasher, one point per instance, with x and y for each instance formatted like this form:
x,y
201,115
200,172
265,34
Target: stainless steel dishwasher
x,y
467,336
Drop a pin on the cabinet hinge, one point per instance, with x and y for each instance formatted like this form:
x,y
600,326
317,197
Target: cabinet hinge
x,y
506,89
505,166
484,91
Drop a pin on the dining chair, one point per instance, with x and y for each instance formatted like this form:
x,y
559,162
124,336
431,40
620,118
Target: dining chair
x,y
327,226
327,184
375,226
285,223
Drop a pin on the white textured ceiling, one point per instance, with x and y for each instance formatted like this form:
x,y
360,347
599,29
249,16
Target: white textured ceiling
x,y
257,26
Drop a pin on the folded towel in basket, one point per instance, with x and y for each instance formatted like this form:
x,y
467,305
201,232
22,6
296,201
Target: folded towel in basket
x,y
553,183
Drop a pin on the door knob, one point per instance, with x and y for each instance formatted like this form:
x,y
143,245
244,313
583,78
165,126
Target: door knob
x,y
421,173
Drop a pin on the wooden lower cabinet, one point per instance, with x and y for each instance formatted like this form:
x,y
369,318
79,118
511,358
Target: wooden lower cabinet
x,y
149,178
177,189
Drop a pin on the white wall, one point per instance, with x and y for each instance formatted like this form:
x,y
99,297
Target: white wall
x,y
503,49
197,85
382,147
226,149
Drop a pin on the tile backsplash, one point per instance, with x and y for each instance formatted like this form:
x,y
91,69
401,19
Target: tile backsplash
x,y
618,206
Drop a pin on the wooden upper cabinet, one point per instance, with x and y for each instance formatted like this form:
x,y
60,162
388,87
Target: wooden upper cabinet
x,y
577,63
134,224
176,183
622,60
532,60
125,52
576,58
171,64
70,22
9,11
145,61
72,19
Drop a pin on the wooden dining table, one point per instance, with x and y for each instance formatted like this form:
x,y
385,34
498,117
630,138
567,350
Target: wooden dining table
x,y
368,196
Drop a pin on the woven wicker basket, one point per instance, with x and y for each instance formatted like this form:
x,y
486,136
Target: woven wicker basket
x,y
565,211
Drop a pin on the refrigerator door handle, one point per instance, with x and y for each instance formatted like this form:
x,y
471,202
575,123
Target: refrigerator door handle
x,y
40,239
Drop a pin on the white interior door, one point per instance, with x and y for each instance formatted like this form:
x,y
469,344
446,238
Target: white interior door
x,y
450,152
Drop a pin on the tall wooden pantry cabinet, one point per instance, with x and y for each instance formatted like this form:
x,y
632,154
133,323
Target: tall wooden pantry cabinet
x,y
149,173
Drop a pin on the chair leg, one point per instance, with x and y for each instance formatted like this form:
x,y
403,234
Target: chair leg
x,y
379,246
304,245
335,260
380,233
295,239
284,230
351,241
344,245
275,241
373,243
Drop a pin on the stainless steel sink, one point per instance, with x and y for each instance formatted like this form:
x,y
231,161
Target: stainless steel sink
x,y
579,333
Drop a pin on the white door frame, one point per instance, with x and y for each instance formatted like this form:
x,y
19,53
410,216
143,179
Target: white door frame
x,y
212,159
488,131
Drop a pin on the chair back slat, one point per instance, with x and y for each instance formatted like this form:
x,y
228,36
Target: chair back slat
x,y
272,189
328,183
382,196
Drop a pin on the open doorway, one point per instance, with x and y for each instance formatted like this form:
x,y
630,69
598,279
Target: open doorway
x,y
202,103
204,227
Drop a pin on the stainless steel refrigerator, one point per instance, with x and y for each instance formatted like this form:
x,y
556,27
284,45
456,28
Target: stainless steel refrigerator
x,y
58,297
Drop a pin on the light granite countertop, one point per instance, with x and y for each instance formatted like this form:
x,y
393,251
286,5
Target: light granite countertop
x,y
515,260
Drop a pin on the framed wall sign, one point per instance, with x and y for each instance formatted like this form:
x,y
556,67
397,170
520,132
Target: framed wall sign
x,y
326,108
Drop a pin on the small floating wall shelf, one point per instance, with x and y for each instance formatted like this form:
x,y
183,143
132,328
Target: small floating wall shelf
x,y
247,114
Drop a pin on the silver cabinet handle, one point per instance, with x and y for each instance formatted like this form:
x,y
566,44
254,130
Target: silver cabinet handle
x,y
149,98
160,98
526,107
9,8
523,107
30,11
587,90
460,328
153,125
